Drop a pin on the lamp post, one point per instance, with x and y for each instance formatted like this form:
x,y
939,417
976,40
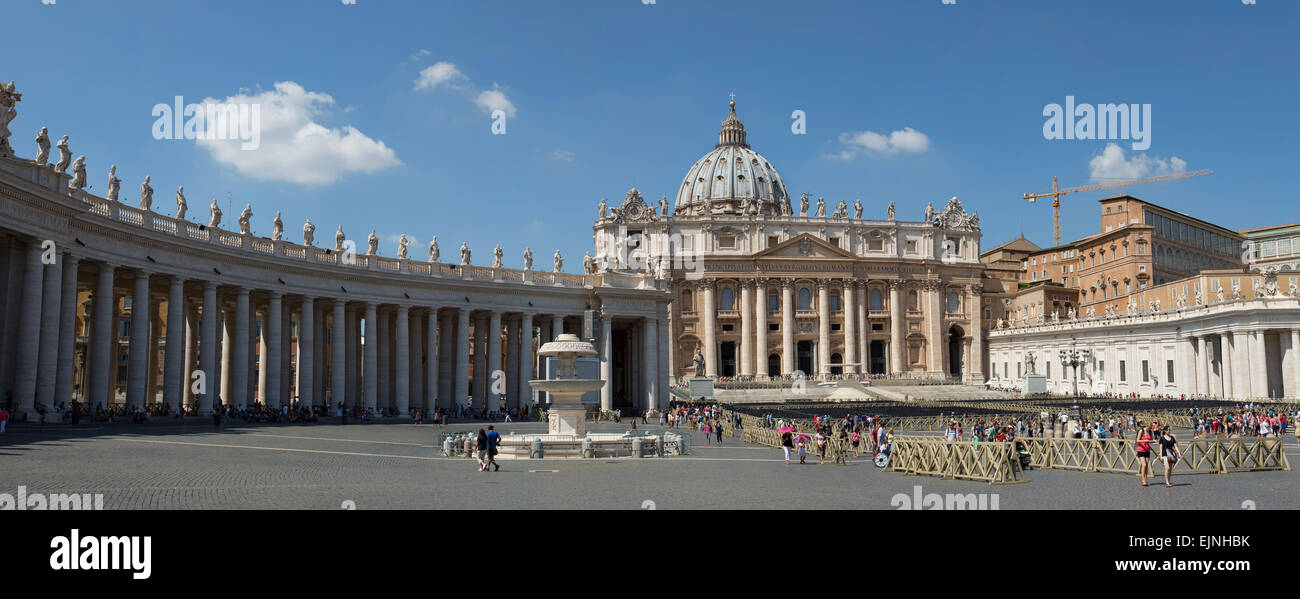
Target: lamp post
x,y
1072,359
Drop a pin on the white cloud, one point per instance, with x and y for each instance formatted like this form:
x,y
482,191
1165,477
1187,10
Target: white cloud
x,y
1111,164
441,72
445,74
560,155
870,142
295,148
494,99
421,54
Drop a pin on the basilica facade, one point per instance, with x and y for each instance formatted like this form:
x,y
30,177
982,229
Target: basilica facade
x,y
763,286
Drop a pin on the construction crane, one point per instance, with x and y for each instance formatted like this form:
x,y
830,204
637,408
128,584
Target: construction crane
x,y
1057,192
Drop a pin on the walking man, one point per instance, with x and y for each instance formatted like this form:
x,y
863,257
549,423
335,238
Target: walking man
x,y
493,439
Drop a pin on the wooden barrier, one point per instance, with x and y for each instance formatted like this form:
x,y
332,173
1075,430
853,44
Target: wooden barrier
x,y
1209,455
995,463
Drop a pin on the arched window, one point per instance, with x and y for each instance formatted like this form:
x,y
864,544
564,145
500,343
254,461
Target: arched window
x,y
727,299
687,304
877,300
912,301
954,303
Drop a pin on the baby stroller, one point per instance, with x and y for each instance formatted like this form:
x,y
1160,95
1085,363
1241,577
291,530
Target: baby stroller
x,y
881,459
1023,453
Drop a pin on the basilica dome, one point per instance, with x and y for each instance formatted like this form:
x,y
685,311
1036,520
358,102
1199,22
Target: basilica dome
x,y
732,179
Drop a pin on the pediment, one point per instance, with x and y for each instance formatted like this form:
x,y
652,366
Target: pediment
x,y
805,247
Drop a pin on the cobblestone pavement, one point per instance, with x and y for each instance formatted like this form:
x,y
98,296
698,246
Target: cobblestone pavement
x,y
397,465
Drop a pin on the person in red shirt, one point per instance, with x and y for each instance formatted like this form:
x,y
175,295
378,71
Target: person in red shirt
x,y
1144,451
4,419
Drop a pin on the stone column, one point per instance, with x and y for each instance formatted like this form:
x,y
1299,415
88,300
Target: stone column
x,y
823,329
384,375
101,354
864,330
606,354
262,353
1294,387
207,345
318,359
370,373
431,357
760,330
416,358
746,299
1229,385
447,357
650,362
351,361
897,328
709,319
227,326
139,348
254,344
67,331
239,351
191,315
789,350
286,350
272,328
512,363
478,389
51,276
1203,343
493,361
338,356
525,361
462,357
307,353
666,373
557,327
1258,364
174,375
938,339
850,327
403,359
975,365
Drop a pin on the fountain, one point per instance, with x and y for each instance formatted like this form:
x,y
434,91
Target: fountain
x,y
567,415
567,434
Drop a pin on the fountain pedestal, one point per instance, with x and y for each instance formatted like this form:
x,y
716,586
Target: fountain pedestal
x,y
567,421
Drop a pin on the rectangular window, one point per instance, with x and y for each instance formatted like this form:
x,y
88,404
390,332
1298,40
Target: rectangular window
x,y
1101,369
1123,371
727,242
773,240
1169,371
773,326
1049,369
911,246
835,241
876,245
1146,373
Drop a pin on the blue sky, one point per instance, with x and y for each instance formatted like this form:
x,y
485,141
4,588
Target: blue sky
x,y
612,94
